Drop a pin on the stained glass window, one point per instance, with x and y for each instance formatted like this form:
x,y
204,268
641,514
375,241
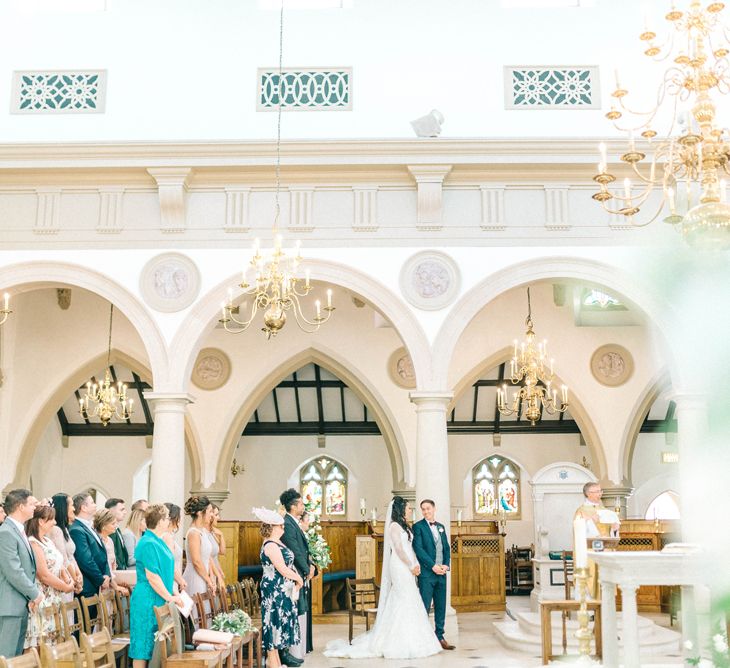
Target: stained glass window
x,y
324,487
496,487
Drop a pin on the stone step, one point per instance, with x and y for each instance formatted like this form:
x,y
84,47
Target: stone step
x,y
530,623
658,641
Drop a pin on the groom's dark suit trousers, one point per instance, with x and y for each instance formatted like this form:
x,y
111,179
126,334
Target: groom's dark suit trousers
x,y
433,589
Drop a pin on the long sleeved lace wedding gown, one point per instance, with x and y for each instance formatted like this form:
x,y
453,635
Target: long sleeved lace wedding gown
x,y
402,629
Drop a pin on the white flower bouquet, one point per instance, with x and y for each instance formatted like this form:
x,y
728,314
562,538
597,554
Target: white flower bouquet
x,y
235,621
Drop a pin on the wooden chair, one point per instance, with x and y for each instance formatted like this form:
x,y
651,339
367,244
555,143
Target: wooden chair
x,y
29,660
362,601
98,650
547,607
568,578
111,619
91,608
52,614
208,607
123,607
170,643
234,600
62,655
72,619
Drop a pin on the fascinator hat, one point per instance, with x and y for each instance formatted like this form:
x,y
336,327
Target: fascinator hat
x,y
267,516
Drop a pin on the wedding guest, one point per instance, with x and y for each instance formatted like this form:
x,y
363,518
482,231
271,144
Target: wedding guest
x,y
280,584
199,574
296,541
105,524
64,507
90,551
120,549
132,533
140,504
52,577
216,540
155,567
304,523
19,592
174,546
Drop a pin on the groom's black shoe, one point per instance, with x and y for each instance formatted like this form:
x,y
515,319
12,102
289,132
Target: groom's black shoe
x,y
289,660
445,645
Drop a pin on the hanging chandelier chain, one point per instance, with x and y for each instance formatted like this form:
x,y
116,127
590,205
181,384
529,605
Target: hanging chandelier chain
x,y
277,212
528,322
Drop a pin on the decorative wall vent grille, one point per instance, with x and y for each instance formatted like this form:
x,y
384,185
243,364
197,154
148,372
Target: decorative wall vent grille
x,y
59,92
324,89
552,87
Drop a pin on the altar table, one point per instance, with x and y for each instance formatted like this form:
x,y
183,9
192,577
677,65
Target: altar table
x,y
629,570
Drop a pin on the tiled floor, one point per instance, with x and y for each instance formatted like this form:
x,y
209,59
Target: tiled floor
x,y
476,646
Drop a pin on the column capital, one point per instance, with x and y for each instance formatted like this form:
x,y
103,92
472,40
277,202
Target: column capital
x,y
431,399
216,495
170,401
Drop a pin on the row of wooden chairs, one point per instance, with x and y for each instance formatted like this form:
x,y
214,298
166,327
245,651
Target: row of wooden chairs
x,y
96,651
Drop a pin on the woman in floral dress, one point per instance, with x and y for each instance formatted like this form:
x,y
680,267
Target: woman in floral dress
x,y
280,585
51,575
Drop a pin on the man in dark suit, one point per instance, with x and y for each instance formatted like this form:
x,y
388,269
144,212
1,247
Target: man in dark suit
x,y
120,549
431,545
296,541
90,551
19,592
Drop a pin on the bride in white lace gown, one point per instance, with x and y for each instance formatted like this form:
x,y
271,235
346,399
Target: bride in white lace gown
x,y
402,629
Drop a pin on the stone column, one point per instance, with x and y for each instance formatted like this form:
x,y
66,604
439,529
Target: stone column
x,y
630,626
432,466
692,433
609,634
616,497
167,476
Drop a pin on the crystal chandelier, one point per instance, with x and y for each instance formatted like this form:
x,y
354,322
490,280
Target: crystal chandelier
x,y
687,163
5,310
277,288
104,399
530,365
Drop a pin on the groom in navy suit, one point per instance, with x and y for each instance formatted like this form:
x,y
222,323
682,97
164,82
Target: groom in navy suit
x,y
431,545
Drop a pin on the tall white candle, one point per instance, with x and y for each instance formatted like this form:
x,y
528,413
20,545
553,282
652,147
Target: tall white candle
x,y
362,504
580,555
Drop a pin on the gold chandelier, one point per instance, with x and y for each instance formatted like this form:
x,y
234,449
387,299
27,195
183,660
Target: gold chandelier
x,y
5,310
530,365
277,288
105,400
689,160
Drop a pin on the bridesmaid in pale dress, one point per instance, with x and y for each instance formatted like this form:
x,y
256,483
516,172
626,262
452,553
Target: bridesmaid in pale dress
x,y
61,538
177,552
218,545
52,578
198,573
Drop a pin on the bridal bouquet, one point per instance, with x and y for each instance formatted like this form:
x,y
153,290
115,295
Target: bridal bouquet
x,y
318,549
235,621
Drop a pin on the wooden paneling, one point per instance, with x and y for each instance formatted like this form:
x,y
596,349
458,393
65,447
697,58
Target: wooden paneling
x,y
477,572
229,562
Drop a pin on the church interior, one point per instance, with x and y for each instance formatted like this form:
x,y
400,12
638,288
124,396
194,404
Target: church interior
x,y
459,267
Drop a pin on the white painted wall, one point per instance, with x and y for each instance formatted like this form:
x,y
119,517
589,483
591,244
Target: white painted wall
x,y
649,475
273,462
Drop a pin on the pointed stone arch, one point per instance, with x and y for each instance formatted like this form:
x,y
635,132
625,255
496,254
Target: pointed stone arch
x,y
649,395
329,360
577,409
40,416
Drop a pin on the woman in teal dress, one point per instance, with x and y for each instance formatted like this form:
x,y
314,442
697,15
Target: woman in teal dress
x,y
155,566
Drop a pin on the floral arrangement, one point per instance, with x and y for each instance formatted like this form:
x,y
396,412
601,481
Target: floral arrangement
x,y
319,550
235,621
718,650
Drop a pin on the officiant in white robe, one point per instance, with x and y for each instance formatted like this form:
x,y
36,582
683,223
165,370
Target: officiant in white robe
x,y
599,522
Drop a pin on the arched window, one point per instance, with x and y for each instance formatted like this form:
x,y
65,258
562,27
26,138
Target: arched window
x,y
496,487
323,485
664,507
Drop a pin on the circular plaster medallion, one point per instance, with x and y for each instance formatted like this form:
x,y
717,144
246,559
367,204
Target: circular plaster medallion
x,y
430,280
400,368
170,282
212,369
612,365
